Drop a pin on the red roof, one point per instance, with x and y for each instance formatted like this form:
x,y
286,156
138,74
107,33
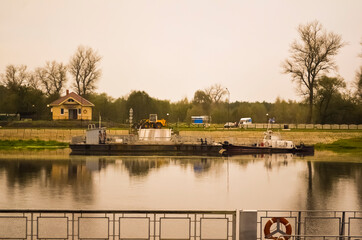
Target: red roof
x,y
76,97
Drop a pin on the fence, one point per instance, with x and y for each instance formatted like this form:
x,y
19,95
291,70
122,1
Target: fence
x,y
61,135
300,225
117,225
193,225
303,126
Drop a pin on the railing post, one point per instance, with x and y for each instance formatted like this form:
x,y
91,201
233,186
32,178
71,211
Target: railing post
x,y
341,232
234,224
248,225
31,225
299,223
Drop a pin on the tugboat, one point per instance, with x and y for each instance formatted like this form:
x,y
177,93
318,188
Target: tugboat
x,y
271,143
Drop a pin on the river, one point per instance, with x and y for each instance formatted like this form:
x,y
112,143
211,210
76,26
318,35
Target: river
x,y
55,180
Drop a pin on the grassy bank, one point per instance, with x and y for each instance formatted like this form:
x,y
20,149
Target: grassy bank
x,y
352,145
31,144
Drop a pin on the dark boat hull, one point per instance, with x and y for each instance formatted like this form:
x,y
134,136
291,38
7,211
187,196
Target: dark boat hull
x,y
230,149
145,149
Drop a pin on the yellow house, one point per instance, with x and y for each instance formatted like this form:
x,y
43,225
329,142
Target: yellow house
x,y
71,106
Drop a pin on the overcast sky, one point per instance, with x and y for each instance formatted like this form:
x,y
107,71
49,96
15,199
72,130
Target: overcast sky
x,y
171,48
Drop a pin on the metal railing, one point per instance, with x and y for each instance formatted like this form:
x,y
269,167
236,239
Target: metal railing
x,y
157,225
302,225
193,225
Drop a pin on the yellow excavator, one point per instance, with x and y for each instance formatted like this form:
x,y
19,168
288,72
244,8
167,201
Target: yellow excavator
x,y
152,122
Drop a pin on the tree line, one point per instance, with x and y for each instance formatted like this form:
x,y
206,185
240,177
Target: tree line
x,y
326,98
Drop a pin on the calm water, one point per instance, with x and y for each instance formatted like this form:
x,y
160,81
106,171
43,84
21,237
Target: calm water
x,y
55,180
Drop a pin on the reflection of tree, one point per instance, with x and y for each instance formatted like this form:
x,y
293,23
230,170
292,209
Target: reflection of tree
x,y
310,187
139,167
329,173
142,166
22,173
80,180
326,175
60,176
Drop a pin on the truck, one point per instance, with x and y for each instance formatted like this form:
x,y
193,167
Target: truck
x,y
244,121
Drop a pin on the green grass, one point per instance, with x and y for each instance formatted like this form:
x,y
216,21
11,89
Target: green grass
x,y
31,144
352,145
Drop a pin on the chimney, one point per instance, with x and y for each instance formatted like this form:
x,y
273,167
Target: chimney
x,y
67,92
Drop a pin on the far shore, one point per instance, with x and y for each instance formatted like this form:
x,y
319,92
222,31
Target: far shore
x,y
310,137
337,140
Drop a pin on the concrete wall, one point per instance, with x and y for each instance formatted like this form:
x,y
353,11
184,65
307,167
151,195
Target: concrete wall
x,y
241,137
247,137
61,135
303,126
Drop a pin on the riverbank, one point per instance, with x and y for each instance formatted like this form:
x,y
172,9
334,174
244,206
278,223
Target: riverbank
x,y
352,145
309,137
232,136
31,144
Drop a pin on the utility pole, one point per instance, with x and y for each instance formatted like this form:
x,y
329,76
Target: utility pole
x,y
130,119
228,106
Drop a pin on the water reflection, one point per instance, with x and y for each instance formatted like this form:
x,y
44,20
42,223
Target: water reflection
x,y
277,181
331,180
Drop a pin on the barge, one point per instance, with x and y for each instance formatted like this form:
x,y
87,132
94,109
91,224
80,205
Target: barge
x,y
146,142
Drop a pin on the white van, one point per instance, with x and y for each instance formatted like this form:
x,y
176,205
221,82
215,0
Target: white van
x,y
244,121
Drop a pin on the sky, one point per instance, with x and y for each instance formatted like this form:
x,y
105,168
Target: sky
x,y
172,48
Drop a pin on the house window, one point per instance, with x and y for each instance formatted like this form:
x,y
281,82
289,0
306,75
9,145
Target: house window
x,y
70,100
62,111
79,111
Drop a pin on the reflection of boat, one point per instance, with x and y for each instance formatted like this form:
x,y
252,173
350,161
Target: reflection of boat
x,y
271,143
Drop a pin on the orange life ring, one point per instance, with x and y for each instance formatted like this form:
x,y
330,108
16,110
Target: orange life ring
x,y
282,220
85,111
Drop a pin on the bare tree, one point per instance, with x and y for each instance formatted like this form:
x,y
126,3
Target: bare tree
x,y
358,84
216,92
15,76
52,77
311,57
358,81
40,74
83,67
